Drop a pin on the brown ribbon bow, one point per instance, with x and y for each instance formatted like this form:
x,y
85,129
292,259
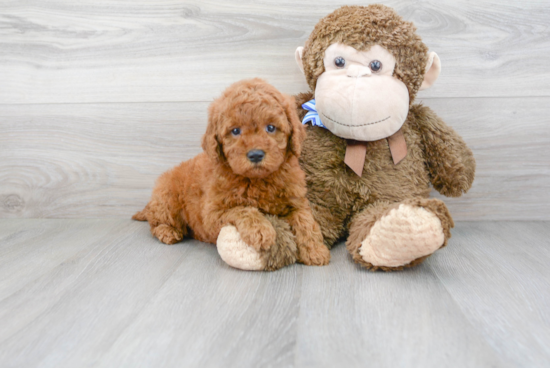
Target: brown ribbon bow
x,y
356,151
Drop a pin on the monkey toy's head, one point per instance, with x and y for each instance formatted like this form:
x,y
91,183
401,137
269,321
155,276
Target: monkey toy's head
x,y
365,65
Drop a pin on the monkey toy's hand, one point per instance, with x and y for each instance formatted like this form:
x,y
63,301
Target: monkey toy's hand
x,y
450,162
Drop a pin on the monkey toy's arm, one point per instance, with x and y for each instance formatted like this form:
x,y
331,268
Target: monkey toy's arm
x,y
449,161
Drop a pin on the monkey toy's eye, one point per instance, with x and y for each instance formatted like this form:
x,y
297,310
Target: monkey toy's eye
x,y
270,128
340,62
236,131
375,65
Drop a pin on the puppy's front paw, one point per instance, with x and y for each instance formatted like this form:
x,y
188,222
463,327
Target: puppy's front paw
x,y
260,236
167,234
318,255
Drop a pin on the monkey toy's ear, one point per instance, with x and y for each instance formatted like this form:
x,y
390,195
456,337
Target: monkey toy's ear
x,y
298,55
433,68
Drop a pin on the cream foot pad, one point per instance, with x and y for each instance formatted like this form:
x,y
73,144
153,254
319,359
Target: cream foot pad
x,y
236,253
403,235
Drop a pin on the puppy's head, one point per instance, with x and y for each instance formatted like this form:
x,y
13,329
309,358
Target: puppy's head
x,y
253,128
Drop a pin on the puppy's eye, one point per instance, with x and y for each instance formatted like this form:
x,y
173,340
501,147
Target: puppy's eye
x,y
270,128
340,62
236,131
375,65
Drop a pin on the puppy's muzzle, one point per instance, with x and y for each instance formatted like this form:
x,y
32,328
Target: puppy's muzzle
x,y
255,156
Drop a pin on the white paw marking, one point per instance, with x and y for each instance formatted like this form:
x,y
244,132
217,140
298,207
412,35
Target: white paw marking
x,y
403,235
236,253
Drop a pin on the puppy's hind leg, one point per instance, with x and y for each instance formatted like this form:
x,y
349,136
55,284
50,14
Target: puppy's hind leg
x,y
141,215
166,224
168,234
164,212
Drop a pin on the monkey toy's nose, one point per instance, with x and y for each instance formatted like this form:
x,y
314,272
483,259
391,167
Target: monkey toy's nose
x,y
356,71
255,156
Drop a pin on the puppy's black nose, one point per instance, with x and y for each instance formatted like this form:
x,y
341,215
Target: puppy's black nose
x,y
255,156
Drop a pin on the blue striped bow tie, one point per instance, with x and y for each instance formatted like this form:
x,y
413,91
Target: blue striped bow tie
x,y
312,114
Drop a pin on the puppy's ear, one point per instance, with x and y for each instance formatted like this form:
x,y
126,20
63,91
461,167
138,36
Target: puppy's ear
x,y
297,129
210,142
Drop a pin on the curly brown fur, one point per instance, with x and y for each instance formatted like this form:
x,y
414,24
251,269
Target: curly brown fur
x,y
436,154
223,187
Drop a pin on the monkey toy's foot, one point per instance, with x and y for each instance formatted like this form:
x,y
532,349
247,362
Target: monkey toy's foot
x,y
402,235
236,253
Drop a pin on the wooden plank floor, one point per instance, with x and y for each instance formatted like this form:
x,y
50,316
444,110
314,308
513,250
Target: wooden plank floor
x,y
103,293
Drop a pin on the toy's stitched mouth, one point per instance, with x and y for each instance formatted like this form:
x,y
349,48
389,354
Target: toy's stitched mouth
x,y
356,126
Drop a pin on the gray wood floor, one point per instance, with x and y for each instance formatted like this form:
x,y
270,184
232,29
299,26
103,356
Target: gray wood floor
x,y
103,293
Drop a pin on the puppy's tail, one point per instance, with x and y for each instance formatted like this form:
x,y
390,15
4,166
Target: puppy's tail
x,y
141,215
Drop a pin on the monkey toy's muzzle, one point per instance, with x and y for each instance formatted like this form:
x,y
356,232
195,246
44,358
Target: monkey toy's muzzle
x,y
355,103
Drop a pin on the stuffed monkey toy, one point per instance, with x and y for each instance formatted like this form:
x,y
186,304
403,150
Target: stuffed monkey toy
x,y
371,154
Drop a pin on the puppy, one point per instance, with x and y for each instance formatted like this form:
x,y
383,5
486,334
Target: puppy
x,y
249,169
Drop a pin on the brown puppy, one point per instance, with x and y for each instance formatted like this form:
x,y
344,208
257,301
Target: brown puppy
x,y
249,169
